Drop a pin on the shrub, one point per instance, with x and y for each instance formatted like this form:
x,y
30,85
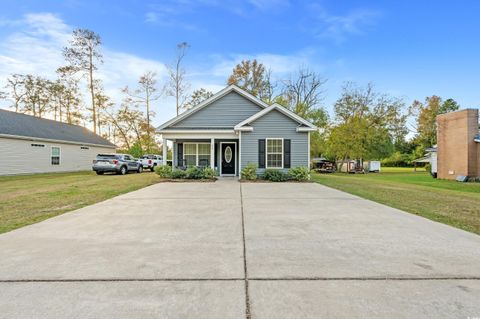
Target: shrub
x,y
249,172
275,175
178,174
209,172
194,173
300,173
428,167
164,171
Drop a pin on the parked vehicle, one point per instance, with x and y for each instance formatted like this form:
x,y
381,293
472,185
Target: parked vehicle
x,y
150,161
116,163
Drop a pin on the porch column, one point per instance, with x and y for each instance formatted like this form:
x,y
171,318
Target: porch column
x,y
212,153
165,151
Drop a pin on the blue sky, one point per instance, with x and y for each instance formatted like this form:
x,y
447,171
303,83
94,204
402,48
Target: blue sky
x,y
410,49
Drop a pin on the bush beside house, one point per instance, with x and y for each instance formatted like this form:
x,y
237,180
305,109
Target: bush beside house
x,y
300,174
166,172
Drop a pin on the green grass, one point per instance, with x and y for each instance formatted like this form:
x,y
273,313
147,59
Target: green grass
x,y
29,199
449,202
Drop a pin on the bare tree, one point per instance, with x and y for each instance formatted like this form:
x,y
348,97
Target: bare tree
x,y
83,54
304,90
177,85
71,99
144,95
15,86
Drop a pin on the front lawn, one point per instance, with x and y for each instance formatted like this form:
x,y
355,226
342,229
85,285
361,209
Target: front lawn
x,y
28,199
450,202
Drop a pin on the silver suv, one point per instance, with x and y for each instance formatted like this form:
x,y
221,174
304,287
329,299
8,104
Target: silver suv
x,y
116,163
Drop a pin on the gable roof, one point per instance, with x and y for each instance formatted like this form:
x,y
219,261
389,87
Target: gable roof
x,y
215,97
18,125
307,126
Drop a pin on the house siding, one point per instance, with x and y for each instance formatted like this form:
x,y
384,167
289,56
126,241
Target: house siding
x,y
274,125
226,112
20,157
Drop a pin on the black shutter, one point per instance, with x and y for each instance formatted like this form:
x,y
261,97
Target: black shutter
x,y
286,153
261,153
215,155
180,154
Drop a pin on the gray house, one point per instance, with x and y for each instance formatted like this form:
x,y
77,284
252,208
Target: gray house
x,y
232,129
30,144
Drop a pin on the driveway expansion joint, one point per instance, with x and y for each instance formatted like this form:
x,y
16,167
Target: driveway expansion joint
x,y
245,269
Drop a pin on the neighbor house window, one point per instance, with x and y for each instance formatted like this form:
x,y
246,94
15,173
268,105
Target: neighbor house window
x,y
196,154
274,152
37,145
55,155
84,148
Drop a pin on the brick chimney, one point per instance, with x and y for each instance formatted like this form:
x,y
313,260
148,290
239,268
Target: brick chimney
x,y
457,151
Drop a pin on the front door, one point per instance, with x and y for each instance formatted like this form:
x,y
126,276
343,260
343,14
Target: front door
x,y
228,159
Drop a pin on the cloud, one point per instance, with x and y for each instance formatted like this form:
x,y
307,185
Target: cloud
x,y
339,27
279,64
36,48
171,13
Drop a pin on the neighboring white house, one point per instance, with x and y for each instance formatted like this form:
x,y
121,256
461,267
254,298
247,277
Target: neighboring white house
x,y
33,145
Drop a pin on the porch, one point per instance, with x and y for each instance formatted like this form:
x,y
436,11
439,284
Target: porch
x,y
220,154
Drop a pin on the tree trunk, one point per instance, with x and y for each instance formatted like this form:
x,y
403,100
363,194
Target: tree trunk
x,y
92,93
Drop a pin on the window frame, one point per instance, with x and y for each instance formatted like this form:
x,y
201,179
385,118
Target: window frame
x,y
197,154
266,152
59,155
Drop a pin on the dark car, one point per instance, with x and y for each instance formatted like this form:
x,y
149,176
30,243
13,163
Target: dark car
x,y
116,163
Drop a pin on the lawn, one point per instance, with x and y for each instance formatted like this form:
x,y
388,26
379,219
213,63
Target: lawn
x,y
28,199
449,202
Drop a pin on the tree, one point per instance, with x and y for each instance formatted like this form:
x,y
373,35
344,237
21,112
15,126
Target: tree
x,y
144,95
83,55
37,97
367,122
71,99
15,86
177,85
303,94
426,119
252,76
197,97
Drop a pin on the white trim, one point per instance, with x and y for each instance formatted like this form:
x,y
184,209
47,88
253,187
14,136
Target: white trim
x,y
200,136
165,152
279,108
59,155
283,152
40,139
196,131
306,129
308,152
212,153
210,100
245,129
234,157
196,151
240,151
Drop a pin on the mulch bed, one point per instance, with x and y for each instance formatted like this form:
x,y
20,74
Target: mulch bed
x,y
184,180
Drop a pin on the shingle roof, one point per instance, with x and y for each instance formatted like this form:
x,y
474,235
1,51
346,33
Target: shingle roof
x,y
18,124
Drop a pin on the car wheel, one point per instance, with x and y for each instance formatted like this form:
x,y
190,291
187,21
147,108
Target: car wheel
x,y
100,173
140,169
123,170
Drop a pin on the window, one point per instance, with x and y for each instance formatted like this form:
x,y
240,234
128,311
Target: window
x,y
55,155
37,145
84,148
196,154
274,152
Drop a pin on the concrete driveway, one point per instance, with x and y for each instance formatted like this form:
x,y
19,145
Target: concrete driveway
x,y
238,250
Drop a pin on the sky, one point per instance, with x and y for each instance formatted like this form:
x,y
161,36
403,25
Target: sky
x,y
409,49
